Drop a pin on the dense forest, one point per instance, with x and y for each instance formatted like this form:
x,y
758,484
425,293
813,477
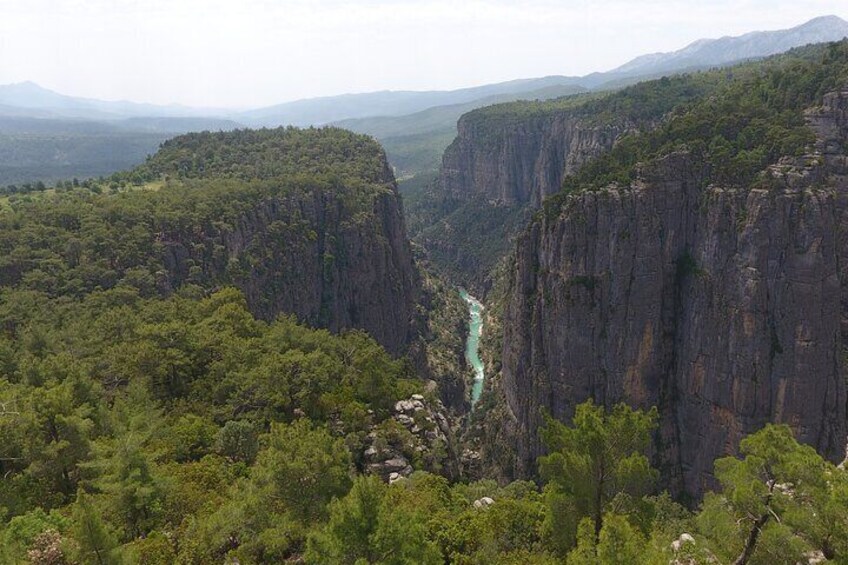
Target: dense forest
x,y
183,430
155,415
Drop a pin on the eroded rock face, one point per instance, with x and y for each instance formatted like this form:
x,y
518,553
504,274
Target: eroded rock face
x,y
311,256
724,307
520,162
493,176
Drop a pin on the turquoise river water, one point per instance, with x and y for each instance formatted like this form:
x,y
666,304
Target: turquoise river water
x,y
472,345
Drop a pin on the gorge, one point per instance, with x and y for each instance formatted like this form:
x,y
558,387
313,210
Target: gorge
x,y
671,283
472,344
610,330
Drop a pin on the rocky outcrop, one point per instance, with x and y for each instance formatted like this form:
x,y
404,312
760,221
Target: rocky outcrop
x,y
419,436
313,255
520,161
725,307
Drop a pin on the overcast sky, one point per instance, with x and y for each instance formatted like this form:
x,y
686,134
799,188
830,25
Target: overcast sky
x,y
246,53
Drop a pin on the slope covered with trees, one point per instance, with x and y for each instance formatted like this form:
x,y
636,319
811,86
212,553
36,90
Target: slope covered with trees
x,y
302,221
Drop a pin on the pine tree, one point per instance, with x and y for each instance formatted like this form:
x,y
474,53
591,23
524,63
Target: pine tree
x,y
778,501
600,458
96,544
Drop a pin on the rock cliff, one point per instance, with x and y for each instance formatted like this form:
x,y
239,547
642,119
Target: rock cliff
x,y
312,256
499,169
520,161
320,234
725,307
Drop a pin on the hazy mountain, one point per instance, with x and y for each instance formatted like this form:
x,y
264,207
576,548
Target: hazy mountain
x,y
11,124
30,99
177,124
711,52
415,141
329,109
47,150
413,126
438,118
700,54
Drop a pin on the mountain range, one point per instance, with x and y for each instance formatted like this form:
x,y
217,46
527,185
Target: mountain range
x,y
752,45
414,126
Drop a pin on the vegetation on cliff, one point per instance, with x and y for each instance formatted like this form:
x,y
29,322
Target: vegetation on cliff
x,y
259,210
734,122
79,240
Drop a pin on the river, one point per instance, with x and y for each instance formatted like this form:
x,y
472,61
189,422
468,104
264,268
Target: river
x,y
472,345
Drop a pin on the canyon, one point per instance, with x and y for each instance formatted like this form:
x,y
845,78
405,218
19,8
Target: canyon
x,y
722,306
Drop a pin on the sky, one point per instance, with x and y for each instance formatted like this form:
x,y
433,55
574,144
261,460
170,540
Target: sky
x,y
251,53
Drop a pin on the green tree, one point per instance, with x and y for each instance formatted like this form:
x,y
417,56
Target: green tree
x,y
302,469
95,543
191,437
22,531
620,543
778,500
586,550
381,525
354,519
401,538
237,440
599,464
125,472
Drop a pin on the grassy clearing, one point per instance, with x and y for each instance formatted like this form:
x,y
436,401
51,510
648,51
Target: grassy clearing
x,y
7,201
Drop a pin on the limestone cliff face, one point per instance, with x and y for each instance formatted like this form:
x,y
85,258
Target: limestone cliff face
x,y
520,162
313,255
493,175
726,308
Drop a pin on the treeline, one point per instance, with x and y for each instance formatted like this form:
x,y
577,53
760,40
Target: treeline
x,y
94,185
268,154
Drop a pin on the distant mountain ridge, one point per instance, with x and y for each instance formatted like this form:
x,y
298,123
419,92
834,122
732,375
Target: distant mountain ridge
x,y
701,54
389,102
728,49
32,100
414,126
